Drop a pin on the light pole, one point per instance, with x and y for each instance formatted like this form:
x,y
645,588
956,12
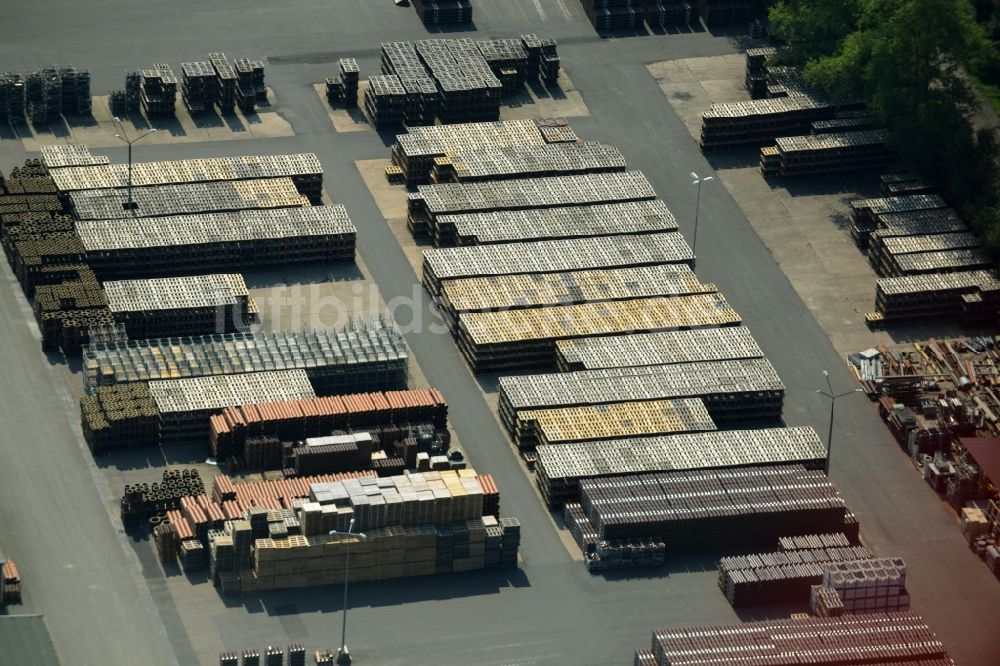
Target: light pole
x,y
124,137
833,403
697,180
343,656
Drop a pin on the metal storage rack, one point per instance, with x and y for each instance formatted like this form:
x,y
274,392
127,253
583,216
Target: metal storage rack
x,y
159,91
203,304
664,13
226,83
535,224
250,89
185,405
664,348
198,86
508,59
555,256
573,425
429,201
207,197
361,357
735,392
43,96
756,71
444,12
561,468
735,508
401,59
240,240
518,339
467,89
385,101
12,98
615,14
76,98
558,159
507,292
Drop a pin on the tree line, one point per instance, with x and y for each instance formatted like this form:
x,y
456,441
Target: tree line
x,y
913,62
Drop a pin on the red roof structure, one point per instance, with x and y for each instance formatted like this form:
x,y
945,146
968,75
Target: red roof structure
x,y
986,452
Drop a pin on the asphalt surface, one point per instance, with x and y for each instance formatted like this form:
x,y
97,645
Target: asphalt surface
x,y
107,601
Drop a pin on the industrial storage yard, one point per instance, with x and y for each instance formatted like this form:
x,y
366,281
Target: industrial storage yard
x,y
438,274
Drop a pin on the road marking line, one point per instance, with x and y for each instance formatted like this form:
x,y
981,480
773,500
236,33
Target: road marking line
x,y
541,12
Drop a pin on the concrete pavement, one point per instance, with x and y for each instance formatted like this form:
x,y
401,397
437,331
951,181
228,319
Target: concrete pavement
x,y
551,611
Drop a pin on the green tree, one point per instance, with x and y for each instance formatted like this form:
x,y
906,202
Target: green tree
x,y
907,59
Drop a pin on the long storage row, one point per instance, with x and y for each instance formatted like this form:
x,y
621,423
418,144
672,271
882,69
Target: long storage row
x,y
739,508
531,290
363,356
297,420
80,170
972,297
572,425
663,348
177,411
555,159
512,339
186,199
734,391
824,154
555,256
898,638
561,468
535,224
244,239
415,150
430,201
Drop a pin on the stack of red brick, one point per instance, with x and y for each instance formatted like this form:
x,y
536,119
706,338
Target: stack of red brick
x,y
316,417
11,583
230,500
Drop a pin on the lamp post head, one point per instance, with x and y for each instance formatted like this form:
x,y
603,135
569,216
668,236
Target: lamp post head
x,y
708,178
694,176
826,374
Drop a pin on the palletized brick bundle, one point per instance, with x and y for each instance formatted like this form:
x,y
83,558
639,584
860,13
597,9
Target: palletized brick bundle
x,y
416,524
317,417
